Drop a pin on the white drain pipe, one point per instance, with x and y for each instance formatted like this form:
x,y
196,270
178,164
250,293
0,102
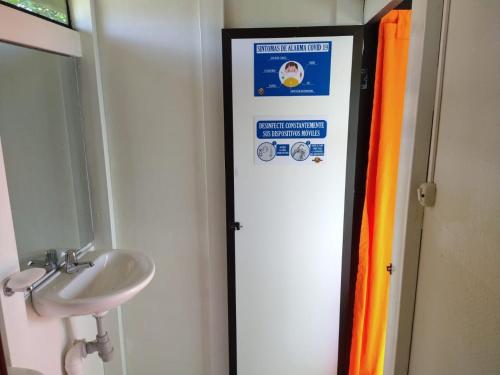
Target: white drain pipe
x,y
73,362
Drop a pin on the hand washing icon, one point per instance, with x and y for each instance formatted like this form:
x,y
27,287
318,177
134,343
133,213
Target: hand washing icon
x,y
300,151
266,151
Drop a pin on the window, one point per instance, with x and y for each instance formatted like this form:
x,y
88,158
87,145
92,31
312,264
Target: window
x,y
55,10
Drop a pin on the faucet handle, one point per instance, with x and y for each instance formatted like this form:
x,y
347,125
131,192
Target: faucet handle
x,y
50,261
52,257
72,265
70,256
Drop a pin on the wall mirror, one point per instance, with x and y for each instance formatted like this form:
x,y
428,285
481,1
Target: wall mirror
x,y
41,130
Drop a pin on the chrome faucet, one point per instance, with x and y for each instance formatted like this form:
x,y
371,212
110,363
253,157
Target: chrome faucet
x,y
71,264
50,262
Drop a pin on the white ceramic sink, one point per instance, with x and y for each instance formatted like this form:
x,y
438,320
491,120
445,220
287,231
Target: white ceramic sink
x,y
116,277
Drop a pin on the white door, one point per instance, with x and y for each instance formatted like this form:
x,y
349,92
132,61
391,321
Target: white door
x,y
289,196
457,317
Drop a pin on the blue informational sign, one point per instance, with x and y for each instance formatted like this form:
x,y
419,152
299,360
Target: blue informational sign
x,y
317,149
292,69
290,141
282,150
278,129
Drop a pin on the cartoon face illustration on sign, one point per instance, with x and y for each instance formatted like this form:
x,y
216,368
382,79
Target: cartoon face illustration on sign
x,y
291,74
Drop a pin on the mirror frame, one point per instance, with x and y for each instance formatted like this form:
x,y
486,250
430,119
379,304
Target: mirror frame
x,y
3,365
27,30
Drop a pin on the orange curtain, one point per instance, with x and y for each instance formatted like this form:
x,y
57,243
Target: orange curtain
x,y
372,284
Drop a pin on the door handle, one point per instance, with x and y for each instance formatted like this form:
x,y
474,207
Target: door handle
x,y
236,226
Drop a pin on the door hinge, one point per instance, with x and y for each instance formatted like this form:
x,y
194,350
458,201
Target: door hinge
x,y
236,225
427,194
364,78
390,268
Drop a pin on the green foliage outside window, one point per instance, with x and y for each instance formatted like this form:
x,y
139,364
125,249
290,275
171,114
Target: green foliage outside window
x,y
53,9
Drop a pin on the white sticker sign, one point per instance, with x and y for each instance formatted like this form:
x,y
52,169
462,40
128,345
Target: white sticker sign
x,y
290,141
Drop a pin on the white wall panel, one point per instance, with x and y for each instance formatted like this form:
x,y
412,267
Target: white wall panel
x,y
457,320
151,74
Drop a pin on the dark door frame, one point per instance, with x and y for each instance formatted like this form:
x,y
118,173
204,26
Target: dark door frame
x,y
356,172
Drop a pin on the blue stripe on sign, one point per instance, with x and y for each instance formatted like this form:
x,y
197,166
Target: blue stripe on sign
x,y
292,129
